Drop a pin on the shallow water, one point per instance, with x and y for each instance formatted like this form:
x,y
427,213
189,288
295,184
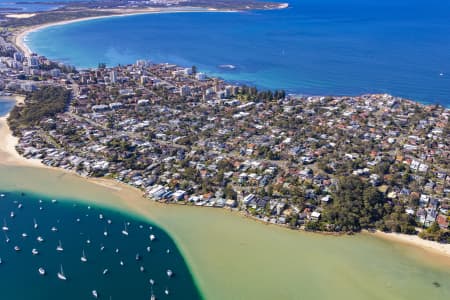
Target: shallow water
x,y
232,257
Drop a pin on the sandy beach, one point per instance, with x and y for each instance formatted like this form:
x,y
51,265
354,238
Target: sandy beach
x,y
19,38
415,241
8,153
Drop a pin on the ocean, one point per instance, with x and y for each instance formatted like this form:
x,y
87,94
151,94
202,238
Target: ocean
x,y
81,228
315,47
6,104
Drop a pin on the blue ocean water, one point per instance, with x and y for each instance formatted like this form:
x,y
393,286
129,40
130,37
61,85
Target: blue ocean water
x,y
6,105
81,228
349,47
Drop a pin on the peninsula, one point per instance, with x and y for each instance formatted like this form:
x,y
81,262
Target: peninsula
x,y
330,164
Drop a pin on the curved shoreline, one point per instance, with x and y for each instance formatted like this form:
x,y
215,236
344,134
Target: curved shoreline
x,y
20,36
9,156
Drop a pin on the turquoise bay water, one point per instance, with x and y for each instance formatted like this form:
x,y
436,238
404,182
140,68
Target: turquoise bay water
x,y
19,277
314,47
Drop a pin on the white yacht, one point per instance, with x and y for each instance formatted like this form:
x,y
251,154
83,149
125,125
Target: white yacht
x,y
20,205
61,274
35,251
60,247
6,238
83,257
100,216
168,251
166,291
125,231
5,226
54,229
40,239
41,271
102,248
12,215
54,201
122,263
152,237
16,248
109,221
149,249
35,224
152,297
2,195
94,294
105,233
24,235
105,271
142,269
138,257
169,273
152,282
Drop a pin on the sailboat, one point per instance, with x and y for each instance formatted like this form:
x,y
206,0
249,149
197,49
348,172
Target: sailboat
x,y
169,273
40,239
35,251
59,247
125,231
41,271
35,224
105,233
6,238
94,294
152,237
83,257
61,274
5,226
166,291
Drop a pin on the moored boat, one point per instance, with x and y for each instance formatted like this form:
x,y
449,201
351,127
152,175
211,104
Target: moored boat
x,y
169,273
125,230
61,274
59,247
83,257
